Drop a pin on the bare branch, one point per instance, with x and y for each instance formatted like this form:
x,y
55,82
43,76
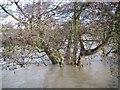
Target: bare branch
x,y
3,8
91,41
51,9
93,51
16,3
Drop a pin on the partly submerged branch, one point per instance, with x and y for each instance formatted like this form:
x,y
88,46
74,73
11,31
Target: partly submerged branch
x,y
104,42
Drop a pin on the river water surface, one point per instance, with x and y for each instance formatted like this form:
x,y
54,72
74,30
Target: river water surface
x,y
96,75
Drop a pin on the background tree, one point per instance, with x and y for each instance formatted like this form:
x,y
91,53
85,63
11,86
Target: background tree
x,y
69,31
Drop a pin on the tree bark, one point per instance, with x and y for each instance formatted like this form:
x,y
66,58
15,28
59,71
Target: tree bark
x,y
85,52
75,33
67,56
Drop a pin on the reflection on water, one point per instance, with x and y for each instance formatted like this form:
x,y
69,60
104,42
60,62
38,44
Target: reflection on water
x,y
96,75
0,79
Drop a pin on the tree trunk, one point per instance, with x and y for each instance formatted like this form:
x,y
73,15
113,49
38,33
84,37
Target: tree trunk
x,y
80,58
55,57
75,33
52,58
85,52
50,55
67,56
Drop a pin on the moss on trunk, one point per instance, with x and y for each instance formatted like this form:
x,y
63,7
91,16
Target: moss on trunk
x,y
75,32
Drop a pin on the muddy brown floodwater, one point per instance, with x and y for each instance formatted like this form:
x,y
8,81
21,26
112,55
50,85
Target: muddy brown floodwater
x,y
96,75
